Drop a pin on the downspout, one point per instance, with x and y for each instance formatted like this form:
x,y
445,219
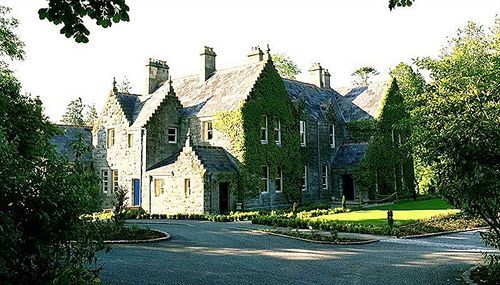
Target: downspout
x,y
320,174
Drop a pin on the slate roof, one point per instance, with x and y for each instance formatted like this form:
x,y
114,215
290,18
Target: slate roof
x,y
63,142
362,102
128,103
225,90
349,155
315,98
214,159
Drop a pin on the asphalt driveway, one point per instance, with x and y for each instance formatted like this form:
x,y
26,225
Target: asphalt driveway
x,y
202,252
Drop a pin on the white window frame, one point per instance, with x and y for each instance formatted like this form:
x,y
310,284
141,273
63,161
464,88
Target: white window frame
x,y
280,178
264,129
332,135
277,132
175,135
324,177
115,181
304,177
110,142
265,179
162,188
207,132
302,129
105,180
187,187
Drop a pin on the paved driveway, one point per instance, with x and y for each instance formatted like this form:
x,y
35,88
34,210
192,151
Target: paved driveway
x,y
222,253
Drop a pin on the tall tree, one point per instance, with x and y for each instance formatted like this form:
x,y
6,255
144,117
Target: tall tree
x,y
10,44
124,86
285,66
363,74
74,113
72,13
91,115
457,129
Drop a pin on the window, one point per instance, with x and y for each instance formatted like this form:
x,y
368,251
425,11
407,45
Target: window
x,y
105,180
324,176
111,137
302,133
208,132
279,179
187,187
159,187
130,140
115,180
172,135
263,130
277,131
304,178
265,178
332,135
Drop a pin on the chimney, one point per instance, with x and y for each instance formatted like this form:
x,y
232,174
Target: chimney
x,y
157,74
316,75
255,55
326,79
207,63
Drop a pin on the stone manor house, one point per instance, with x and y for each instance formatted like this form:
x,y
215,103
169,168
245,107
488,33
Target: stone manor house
x,y
229,139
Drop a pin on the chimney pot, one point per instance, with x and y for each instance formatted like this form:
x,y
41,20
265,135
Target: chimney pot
x,y
157,74
255,55
207,63
316,75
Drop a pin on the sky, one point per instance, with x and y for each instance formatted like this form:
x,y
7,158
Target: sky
x,y
340,34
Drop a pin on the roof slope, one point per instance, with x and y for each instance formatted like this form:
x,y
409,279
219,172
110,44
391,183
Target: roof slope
x,y
349,155
127,103
226,90
361,102
63,143
315,98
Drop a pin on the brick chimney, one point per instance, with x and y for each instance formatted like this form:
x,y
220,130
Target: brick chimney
x,y
326,79
157,74
207,63
316,75
255,55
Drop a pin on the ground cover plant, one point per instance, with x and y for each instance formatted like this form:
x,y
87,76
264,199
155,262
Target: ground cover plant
x,y
331,237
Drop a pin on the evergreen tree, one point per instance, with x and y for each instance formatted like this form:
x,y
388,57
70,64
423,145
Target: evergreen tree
x,y
363,74
74,113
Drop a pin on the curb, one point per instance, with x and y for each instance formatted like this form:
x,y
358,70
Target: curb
x,y
442,233
466,276
318,241
164,238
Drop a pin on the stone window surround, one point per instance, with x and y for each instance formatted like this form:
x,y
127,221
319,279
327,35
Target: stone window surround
x,y
130,140
304,177
159,186
277,131
332,135
187,187
324,176
110,137
302,130
265,178
114,179
263,130
280,179
208,131
172,135
105,180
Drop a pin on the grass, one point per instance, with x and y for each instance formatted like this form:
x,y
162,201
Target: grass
x,y
403,213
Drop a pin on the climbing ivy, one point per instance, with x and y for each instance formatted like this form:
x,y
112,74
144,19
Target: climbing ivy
x,y
361,131
386,155
243,127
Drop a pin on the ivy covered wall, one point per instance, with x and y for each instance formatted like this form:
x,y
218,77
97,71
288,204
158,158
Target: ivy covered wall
x,y
243,126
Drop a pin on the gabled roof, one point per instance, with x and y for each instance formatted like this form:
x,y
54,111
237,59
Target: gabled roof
x,y
127,103
349,155
225,90
316,99
213,159
361,102
63,143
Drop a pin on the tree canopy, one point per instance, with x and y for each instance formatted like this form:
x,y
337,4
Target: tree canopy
x,y
285,66
71,15
363,74
400,3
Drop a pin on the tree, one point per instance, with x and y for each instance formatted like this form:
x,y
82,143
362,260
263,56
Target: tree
x,y
72,13
74,113
362,75
124,86
44,237
400,3
91,115
457,128
10,44
285,66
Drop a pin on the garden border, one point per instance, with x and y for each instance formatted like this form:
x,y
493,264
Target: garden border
x,y
164,238
315,241
442,233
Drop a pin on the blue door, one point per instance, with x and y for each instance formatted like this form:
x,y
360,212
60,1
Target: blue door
x,y
137,192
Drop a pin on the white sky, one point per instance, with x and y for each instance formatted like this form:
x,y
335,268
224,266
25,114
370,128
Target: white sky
x,y
340,34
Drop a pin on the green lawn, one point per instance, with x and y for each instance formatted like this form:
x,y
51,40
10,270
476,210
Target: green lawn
x,y
403,212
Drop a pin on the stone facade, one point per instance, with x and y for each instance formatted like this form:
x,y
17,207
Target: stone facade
x,y
172,159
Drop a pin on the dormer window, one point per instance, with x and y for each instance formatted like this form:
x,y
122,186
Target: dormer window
x,y
302,133
277,131
263,130
208,132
